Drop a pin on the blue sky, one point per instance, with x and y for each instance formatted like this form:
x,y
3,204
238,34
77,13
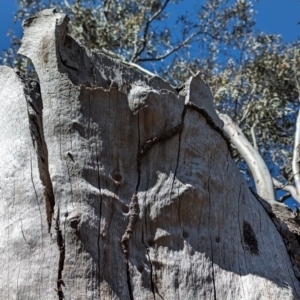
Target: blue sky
x,y
279,16
273,16
7,8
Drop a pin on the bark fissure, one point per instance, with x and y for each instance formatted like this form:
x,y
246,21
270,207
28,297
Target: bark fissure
x,y
97,151
177,161
34,110
241,241
37,199
35,117
150,263
179,260
211,245
133,217
100,214
179,208
69,177
134,206
61,246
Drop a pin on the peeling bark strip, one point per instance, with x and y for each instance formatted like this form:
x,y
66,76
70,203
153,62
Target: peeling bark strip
x,y
61,247
35,115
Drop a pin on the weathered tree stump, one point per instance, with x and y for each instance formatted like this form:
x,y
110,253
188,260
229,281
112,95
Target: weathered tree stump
x,y
115,186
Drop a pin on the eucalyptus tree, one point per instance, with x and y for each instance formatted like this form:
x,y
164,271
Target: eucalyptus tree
x,y
254,77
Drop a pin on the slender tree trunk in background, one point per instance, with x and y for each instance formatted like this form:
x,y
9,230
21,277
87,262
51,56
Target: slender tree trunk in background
x,y
115,186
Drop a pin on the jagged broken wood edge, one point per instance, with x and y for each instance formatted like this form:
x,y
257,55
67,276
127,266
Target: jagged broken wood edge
x,y
108,79
284,219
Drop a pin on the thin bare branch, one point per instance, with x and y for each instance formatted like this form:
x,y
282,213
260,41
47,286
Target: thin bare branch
x,y
253,136
123,61
285,197
245,115
111,54
134,65
146,29
287,188
106,4
296,155
288,182
67,4
249,106
174,49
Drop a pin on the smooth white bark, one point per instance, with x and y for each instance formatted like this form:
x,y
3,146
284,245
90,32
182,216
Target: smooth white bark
x,y
296,156
259,170
287,188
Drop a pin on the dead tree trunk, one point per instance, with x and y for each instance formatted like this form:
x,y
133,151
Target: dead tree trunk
x,y
115,186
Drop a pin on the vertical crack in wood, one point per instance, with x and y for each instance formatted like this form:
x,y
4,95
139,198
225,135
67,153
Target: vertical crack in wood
x,y
34,109
177,161
61,246
149,260
154,288
100,214
142,150
70,181
211,244
134,206
132,220
241,241
133,217
37,200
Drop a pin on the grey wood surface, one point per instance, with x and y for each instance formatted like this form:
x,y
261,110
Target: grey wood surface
x,y
116,186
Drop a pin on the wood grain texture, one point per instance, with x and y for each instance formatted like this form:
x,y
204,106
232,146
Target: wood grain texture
x,y
144,199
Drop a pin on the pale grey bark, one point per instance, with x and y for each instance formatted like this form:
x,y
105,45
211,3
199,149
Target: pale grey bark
x,y
143,197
